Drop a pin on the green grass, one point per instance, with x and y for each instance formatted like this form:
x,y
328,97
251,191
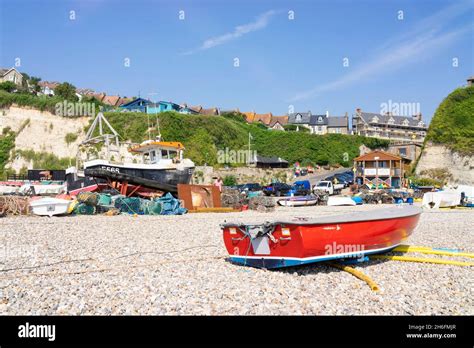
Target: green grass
x,y
7,143
70,138
204,135
42,103
45,160
453,122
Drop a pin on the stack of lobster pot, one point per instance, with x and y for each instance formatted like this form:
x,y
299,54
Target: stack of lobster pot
x,y
232,199
263,204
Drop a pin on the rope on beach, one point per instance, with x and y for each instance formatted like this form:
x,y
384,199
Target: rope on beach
x,y
373,286
111,269
14,205
419,259
426,250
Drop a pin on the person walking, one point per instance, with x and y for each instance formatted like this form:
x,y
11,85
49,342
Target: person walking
x,y
219,183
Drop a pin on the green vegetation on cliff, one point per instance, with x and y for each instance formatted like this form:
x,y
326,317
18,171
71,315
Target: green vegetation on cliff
x,y
203,136
42,103
45,160
7,143
453,122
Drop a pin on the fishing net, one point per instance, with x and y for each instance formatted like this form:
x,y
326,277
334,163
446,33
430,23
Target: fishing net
x,y
262,203
14,205
231,199
84,209
170,205
104,199
130,205
152,207
90,198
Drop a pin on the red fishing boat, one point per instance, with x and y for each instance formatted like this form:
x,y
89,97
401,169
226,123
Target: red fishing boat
x,y
306,240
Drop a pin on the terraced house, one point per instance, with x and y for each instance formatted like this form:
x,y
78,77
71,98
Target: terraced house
x,y
397,129
320,124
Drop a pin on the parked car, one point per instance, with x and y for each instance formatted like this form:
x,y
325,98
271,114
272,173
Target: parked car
x,y
253,187
277,189
301,188
328,187
344,179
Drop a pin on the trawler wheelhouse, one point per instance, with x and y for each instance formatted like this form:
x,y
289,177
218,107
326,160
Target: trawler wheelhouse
x,y
154,152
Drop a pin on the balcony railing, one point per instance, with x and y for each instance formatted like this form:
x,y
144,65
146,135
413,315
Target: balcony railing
x,y
381,172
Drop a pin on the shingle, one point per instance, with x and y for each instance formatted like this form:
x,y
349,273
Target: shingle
x,y
305,117
337,121
318,120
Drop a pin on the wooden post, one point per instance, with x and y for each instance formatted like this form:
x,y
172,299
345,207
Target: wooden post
x,y
401,172
390,172
376,173
363,172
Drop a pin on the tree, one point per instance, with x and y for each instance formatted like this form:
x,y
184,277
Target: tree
x,y
8,86
67,91
34,83
201,149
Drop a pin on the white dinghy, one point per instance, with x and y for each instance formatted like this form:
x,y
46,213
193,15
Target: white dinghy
x,y
441,199
340,200
50,206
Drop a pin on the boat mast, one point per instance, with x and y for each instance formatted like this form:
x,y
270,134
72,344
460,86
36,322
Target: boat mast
x,y
105,137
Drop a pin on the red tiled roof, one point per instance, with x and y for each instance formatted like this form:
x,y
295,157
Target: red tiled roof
x,y
211,111
249,116
283,120
99,96
111,100
264,118
50,85
383,156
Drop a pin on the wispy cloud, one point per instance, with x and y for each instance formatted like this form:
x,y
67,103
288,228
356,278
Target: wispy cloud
x,y
240,30
424,39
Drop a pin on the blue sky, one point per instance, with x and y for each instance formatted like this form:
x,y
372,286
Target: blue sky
x,y
283,62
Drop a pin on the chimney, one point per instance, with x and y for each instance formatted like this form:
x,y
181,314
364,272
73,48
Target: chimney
x,y
327,113
417,116
470,81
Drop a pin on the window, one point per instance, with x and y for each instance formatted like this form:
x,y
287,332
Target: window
x,y
391,120
402,151
320,119
164,154
320,129
405,122
421,124
298,118
375,119
173,154
153,156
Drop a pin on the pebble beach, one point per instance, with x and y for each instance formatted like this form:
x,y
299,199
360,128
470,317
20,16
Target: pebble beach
x,y
177,265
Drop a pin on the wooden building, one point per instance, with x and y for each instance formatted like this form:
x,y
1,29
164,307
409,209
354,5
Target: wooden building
x,y
378,167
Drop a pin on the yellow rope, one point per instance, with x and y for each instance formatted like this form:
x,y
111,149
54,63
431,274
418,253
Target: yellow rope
x,y
418,259
373,286
425,250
